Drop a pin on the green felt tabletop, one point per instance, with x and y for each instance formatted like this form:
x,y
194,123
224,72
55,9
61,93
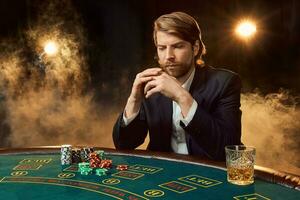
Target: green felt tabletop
x,y
41,176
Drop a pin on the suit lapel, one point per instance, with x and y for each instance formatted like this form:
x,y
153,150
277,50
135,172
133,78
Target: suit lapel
x,y
198,83
166,109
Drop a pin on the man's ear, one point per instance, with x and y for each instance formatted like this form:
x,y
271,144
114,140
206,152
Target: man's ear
x,y
196,48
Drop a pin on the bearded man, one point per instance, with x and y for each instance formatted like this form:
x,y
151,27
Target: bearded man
x,y
185,106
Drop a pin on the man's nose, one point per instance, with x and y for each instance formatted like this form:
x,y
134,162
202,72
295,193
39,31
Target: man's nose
x,y
170,54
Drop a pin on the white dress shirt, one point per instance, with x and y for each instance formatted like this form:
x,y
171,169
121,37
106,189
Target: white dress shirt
x,y
178,141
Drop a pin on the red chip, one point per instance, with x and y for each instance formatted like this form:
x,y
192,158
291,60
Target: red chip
x,y
122,167
106,164
95,161
93,154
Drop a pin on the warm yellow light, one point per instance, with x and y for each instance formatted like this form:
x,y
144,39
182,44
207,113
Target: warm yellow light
x,y
246,29
50,48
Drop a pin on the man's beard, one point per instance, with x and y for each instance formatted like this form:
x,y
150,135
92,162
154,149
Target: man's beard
x,y
177,70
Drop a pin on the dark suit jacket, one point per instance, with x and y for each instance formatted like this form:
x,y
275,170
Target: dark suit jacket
x,y
216,123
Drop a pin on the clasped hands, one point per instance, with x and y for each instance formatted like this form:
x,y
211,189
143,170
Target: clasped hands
x,y
153,80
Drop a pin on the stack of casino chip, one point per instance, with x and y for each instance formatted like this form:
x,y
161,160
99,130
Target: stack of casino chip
x,y
88,160
95,160
106,163
76,158
85,152
84,168
66,154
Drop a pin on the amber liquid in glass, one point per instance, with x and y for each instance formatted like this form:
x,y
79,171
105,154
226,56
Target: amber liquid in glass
x,y
240,175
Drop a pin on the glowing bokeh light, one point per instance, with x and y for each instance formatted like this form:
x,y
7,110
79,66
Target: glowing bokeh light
x,y
50,48
246,29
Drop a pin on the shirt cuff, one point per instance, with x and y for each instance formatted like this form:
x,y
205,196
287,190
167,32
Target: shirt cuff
x,y
190,114
128,120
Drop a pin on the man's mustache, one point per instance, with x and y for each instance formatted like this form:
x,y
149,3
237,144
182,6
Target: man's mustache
x,y
171,64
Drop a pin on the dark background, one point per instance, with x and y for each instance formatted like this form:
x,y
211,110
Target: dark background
x,y
119,38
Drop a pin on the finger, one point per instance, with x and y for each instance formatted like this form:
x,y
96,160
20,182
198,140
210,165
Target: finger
x,y
150,72
149,85
152,91
140,83
143,80
164,77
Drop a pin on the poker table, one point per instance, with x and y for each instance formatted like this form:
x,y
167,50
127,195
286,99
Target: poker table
x,y
36,173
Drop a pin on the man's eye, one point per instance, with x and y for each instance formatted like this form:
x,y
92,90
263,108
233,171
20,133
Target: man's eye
x,y
179,46
161,48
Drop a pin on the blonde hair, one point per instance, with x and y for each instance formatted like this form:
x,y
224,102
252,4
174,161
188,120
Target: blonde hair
x,y
183,26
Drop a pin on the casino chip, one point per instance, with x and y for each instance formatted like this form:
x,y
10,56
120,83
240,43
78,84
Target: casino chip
x,y
101,171
88,160
76,158
84,153
95,160
76,155
66,154
100,153
122,167
106,164
84,168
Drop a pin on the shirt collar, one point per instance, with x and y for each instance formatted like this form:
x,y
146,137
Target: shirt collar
x,y
187,84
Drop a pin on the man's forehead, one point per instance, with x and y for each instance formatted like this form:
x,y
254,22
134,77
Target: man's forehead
x,y
165,38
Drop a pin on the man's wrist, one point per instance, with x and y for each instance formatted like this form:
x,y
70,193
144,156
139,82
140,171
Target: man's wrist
x,y
188,118
127,120
184,98
133,100
132,107
185,101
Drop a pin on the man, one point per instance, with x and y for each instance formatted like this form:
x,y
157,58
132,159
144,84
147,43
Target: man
x,y
186,107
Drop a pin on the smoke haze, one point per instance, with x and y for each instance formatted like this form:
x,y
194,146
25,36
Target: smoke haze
x,y
47,100
271,124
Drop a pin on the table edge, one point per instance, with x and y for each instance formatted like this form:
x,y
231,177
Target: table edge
x,y
267,174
